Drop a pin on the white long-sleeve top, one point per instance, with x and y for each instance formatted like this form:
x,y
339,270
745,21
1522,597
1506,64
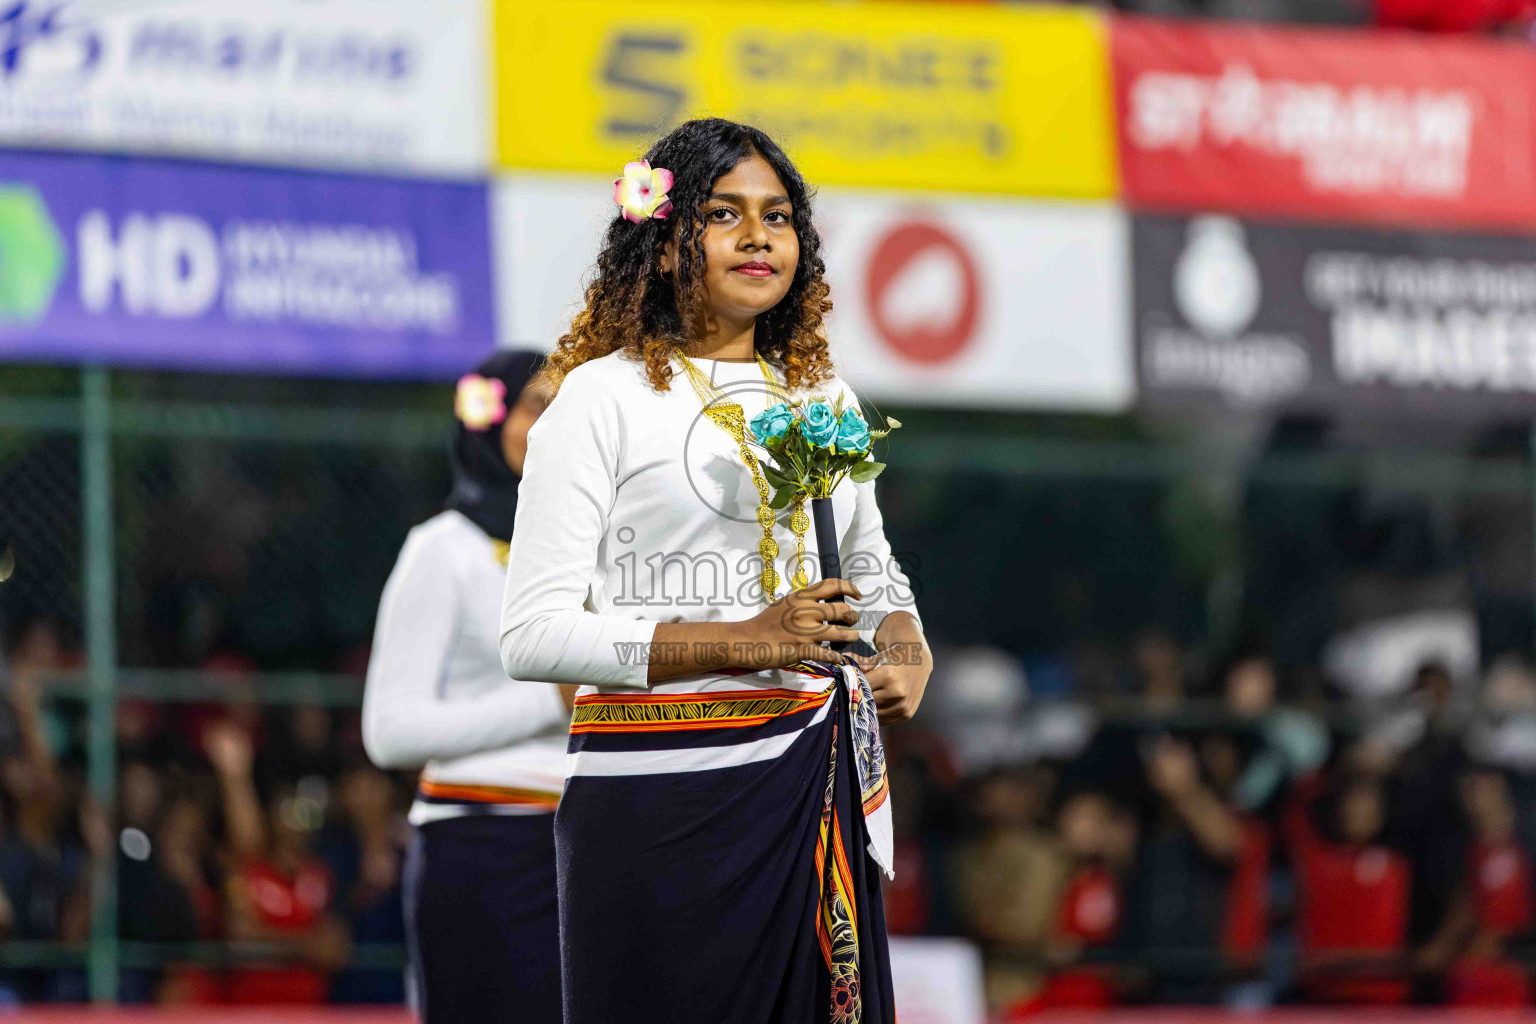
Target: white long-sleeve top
x,y
636,509
436,694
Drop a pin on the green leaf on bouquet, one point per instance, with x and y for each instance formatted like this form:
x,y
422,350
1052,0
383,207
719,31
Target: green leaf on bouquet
x,y
782,497
774,477
866,471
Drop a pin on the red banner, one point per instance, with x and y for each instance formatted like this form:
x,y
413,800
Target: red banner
x,y
1340,126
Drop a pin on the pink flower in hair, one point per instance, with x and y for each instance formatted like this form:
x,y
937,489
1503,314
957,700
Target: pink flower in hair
x,y
480,402
642,191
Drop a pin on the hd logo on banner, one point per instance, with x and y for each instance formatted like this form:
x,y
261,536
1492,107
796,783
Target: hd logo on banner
x,y
913,95
183,266
1247,316
364,84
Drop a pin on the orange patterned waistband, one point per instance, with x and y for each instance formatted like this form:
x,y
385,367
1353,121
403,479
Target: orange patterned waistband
x,y
730,709
465,793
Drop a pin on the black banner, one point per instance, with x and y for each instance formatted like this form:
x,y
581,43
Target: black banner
x,y
1249,316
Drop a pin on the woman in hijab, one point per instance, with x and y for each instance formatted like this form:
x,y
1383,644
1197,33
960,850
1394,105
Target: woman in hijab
x,y
480,877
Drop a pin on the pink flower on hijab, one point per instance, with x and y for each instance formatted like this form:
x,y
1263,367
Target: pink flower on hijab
x,y
480,402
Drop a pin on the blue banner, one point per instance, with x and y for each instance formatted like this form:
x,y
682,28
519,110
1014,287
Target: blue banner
x,y
171,265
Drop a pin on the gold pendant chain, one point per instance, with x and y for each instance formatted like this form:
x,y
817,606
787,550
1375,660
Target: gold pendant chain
x,y
728,416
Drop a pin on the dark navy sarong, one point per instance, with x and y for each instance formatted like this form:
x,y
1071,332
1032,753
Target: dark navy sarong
x,y
480,912
739,894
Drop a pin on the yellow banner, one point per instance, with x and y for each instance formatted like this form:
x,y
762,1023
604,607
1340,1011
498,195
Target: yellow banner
x,y
966,97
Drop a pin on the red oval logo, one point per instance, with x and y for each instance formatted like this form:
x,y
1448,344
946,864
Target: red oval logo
x,y
923,293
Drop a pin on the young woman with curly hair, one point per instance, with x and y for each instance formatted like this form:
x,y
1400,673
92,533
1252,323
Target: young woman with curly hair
x,y
724,816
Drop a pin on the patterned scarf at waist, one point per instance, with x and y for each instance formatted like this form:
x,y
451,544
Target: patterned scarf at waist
x,y
646,721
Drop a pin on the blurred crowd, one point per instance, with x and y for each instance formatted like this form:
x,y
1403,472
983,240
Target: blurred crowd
x,y
257,843
1196,839
1226,834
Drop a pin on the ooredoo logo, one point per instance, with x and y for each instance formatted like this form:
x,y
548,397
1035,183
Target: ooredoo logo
x,y
923,292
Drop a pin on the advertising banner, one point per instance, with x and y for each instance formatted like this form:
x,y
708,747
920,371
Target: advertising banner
x,y
1000,303
188,266
360,84
965,97
936,301
1365,127
1242,315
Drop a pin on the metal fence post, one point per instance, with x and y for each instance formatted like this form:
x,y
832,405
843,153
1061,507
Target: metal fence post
x,y
100,589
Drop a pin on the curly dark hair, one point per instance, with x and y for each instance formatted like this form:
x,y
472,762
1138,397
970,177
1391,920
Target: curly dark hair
x,y
632,305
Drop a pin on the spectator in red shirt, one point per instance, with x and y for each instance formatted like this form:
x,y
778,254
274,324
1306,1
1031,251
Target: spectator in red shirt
x,y
1099,840
279,891
1499,869
1353,897
1492,906
1091,906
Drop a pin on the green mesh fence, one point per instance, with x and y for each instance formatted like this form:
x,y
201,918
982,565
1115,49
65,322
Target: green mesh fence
x,y
277,550
40,539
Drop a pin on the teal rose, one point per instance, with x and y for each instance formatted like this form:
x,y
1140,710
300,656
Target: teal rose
x,y
852,432
820,425
772,423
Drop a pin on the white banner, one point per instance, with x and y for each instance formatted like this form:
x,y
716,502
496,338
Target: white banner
x,y
393,85
980,301
938,301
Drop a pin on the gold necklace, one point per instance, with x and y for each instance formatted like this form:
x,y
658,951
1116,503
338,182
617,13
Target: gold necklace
x,y
502,550
728,416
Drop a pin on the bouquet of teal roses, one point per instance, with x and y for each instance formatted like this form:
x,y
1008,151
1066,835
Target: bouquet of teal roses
x,y
813,447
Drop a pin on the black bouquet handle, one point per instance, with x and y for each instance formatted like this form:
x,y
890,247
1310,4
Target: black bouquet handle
x,y
832,562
